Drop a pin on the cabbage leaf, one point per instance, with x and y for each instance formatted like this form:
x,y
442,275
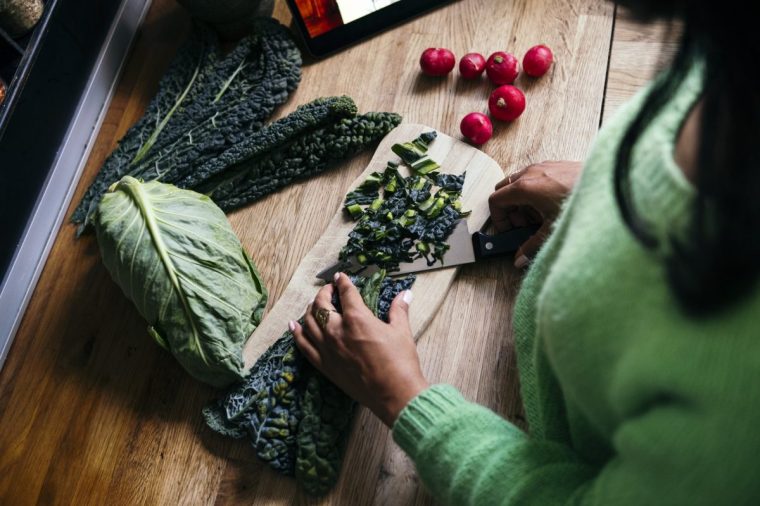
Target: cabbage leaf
x,y
176,257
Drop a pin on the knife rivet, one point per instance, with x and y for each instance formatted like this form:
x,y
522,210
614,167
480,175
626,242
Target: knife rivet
x,y
489,246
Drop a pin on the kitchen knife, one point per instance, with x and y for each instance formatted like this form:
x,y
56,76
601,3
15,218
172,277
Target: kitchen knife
x,y
465,248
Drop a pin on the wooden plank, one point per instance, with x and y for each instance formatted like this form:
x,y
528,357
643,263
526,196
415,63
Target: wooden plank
x,y
430,288
93,412
639,52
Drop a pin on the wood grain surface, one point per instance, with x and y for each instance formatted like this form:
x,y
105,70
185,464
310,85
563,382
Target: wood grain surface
x,y
430,288
93,412
639,51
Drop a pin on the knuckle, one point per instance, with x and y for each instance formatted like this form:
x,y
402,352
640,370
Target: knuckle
x,y
312,328
323,293
521,184
351,314
541,234
335,339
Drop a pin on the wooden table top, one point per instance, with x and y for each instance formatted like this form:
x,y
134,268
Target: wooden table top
x,y
92,411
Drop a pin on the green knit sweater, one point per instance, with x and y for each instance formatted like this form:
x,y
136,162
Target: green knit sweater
x,y
629,401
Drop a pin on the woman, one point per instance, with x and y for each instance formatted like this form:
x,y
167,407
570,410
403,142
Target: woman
x,y
635,325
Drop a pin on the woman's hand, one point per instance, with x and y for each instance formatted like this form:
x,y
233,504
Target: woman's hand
x,y
374,362
531,196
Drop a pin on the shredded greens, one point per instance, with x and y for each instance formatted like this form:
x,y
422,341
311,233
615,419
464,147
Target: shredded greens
x,y
400,219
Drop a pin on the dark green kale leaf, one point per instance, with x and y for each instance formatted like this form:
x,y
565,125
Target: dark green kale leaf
x,y
266,406
183,70
206,103
389,288
327,411
295,418
233,162
290,157
246,85
326,420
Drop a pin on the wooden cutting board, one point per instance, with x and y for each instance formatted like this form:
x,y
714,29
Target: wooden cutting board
x,y
430,288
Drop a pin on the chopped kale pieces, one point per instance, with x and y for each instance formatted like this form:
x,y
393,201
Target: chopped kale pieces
x,y
406,219
414,153
450,182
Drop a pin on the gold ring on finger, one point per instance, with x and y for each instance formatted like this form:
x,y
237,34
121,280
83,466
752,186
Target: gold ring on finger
x,y
323,316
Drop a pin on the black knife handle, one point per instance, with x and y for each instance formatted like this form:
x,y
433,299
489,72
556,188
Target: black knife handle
x,y
486,246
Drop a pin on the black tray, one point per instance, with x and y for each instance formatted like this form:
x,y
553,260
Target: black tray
x,y
17,58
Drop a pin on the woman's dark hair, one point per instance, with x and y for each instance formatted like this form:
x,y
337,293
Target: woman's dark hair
x,y
718,260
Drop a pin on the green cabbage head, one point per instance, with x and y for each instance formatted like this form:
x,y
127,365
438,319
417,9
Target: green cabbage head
x,y
175,256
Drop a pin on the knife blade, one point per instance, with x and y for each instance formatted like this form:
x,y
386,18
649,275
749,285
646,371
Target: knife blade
x,y
464,248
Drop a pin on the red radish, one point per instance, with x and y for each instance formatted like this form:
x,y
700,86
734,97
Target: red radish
x,y
537,60
502,68
437,61
506,103
476,127
472,65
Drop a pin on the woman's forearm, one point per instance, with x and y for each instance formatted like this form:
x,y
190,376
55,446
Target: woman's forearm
x,y
467,454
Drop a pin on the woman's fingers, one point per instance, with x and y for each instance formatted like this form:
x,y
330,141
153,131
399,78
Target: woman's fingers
x,y
517,218
310,325
328,324
398,314
511,178
504,201
324,297
529,248
532,216
503,217
305,345
350,298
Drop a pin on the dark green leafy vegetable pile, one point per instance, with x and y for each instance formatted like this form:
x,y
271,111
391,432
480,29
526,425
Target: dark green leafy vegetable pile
x,y
335,135
295,418
206,103
204,129
400,219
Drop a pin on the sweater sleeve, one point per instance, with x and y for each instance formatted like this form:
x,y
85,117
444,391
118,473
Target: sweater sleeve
x,y
466,454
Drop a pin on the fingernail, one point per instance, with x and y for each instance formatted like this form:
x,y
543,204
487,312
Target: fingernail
x,y
408,297
521,261
336,277
292,325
